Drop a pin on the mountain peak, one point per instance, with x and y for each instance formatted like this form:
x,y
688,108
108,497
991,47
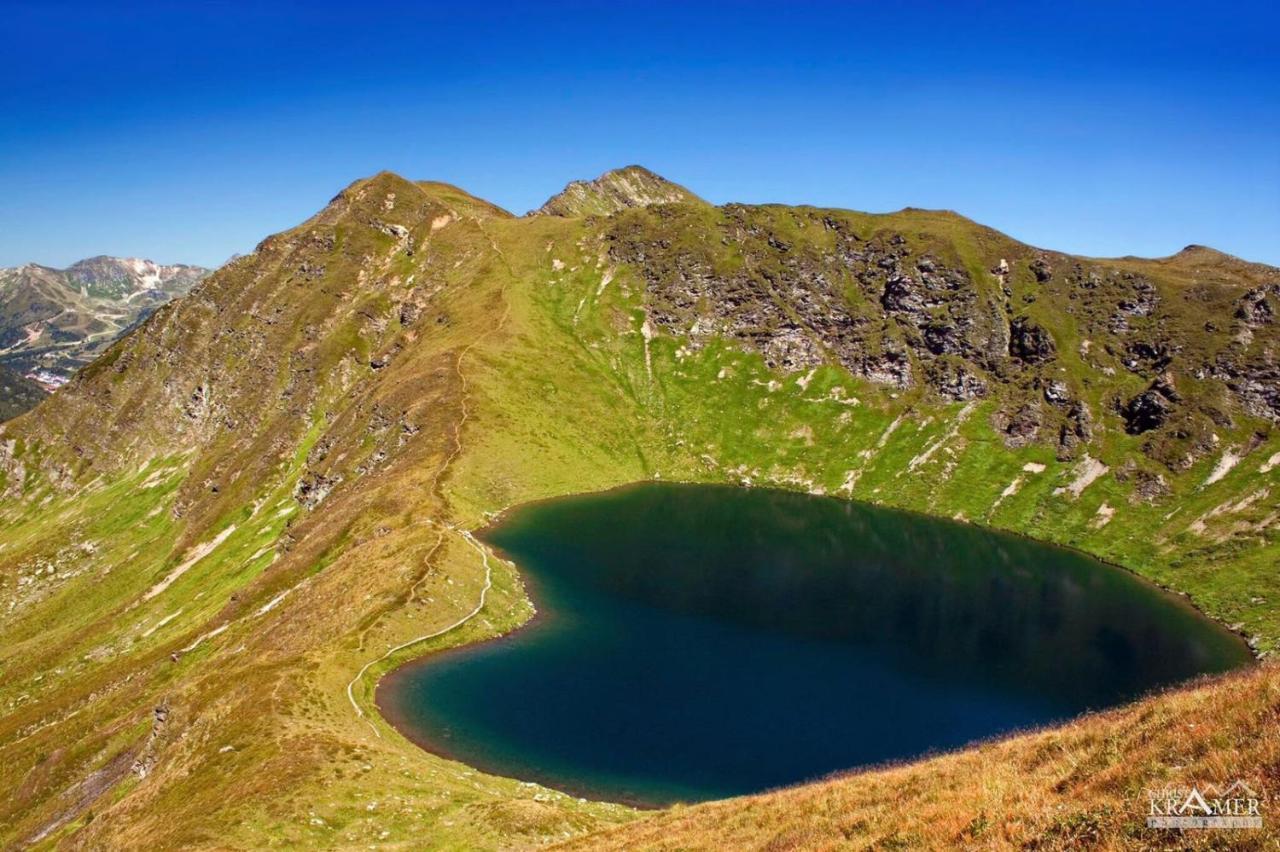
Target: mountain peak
x,y
619,189
1198,251
1205,257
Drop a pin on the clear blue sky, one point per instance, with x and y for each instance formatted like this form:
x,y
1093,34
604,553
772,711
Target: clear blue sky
x,y
188,131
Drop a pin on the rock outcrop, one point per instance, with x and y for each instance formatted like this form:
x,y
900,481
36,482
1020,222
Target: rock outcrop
x,y
620,189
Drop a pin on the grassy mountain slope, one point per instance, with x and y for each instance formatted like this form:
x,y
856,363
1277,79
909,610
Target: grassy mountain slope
x,y
17,393
221,533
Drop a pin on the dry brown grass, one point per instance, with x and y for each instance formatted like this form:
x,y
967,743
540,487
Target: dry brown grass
x,y
1078,786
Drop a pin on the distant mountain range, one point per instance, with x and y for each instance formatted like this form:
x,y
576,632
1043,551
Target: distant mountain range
x,y
54,321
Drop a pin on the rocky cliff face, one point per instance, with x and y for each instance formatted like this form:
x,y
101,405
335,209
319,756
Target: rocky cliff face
x,y
923,299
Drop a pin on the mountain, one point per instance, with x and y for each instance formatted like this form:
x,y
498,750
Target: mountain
x,y
53,321
219,534
619,189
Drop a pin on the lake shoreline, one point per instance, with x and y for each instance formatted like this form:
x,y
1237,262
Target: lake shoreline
x,y
386,701
388,688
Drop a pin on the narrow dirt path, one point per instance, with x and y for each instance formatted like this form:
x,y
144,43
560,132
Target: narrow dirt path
x,y
437,487
484,592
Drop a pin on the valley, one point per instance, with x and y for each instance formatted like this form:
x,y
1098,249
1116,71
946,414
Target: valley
x,y
54,321
222,532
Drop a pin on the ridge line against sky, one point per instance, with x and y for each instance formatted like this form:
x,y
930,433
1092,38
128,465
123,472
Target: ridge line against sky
x,y
188,132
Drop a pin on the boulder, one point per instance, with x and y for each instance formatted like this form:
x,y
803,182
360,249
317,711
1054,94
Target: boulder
x,y
1030,343
1148,410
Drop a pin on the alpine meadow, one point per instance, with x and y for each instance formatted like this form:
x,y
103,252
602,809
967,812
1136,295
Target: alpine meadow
x,y
224,531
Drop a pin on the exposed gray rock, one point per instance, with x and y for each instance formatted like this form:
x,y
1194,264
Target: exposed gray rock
x,y
1257,307
1029,342
313,488
954,379
1019,428
1148,410
1057,393
1075,432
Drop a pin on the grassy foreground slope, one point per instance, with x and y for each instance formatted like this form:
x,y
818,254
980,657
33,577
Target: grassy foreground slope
x,y
17,393
218,537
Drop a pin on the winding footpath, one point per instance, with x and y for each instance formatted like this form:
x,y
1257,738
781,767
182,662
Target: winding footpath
x,y
448,462
484,592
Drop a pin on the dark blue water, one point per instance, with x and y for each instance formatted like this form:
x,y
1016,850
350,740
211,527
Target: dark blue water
x,y
696,642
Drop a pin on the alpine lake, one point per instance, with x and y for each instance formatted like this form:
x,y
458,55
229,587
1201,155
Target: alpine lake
x,y
696,642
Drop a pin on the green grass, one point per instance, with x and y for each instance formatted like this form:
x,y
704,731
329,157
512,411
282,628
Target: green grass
x,y
528,348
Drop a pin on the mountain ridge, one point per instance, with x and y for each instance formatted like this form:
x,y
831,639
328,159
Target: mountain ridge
x,y
216,536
